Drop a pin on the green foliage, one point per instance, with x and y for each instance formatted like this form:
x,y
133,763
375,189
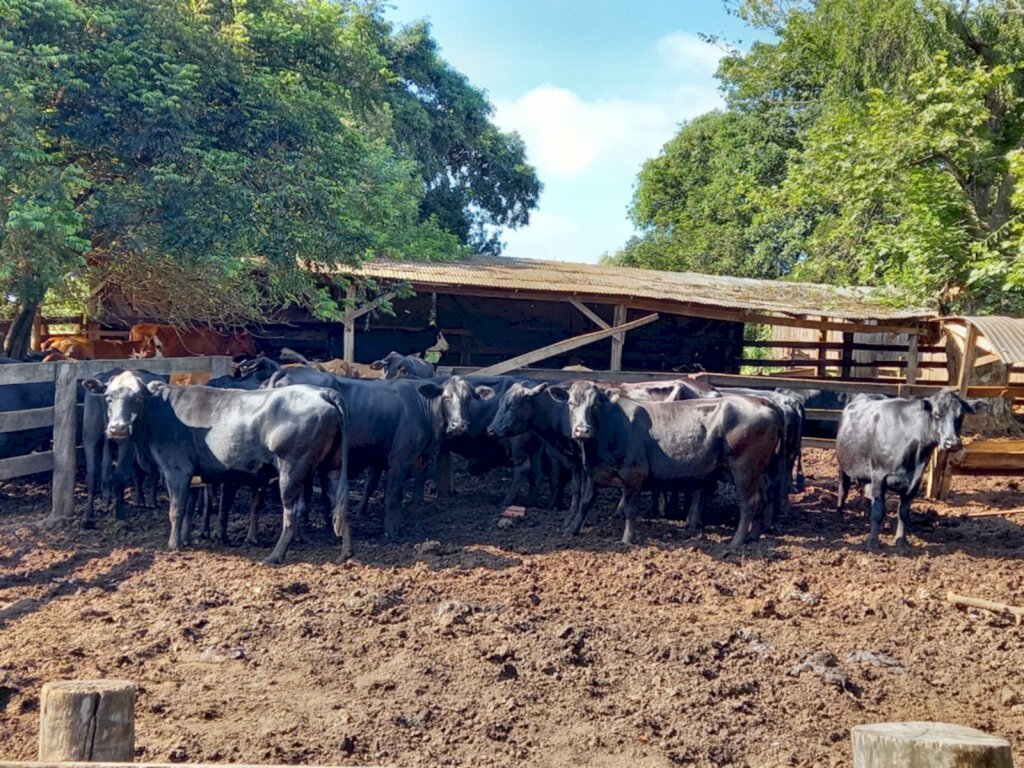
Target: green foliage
x,y
206,158
903,122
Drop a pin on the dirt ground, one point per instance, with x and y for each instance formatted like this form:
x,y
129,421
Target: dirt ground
x,y
513,646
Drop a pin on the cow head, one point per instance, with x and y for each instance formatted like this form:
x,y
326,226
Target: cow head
x,y
126,396
515,410
948,410
388,365
240,343
583,397
456,397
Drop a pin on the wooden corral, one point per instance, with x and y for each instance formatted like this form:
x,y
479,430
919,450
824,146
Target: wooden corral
x,y
63,415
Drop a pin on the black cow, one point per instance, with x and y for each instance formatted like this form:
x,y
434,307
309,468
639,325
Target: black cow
x,y
22,397
887,443
526,408
394,426
469,406
661,443
99,449
395,365
227,435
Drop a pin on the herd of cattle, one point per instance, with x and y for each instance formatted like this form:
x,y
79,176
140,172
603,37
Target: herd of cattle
x,y
293,425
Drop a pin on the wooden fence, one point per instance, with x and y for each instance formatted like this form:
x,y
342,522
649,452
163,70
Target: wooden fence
x,y
63,415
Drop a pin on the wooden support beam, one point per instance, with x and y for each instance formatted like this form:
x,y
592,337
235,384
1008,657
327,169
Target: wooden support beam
x,y
967,362
563,346
822,352
64,440
619,339
846,363
19,466
596,318
939,473
355,314
913,356
349,339
15,421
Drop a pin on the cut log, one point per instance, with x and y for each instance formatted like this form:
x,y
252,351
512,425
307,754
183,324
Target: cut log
x,y
87,721
986,605
936,745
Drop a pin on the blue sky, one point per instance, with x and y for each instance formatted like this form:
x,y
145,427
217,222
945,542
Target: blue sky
x,y
594,88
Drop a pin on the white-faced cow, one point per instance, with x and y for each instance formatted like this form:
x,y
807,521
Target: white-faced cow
x,y
679,442
227,436
887,443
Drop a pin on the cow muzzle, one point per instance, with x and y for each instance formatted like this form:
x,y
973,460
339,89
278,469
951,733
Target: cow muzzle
x,y
582,432
117,431
457,428
951,445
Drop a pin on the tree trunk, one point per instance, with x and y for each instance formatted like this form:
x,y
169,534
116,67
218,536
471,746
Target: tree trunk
x,y
998,420
19,336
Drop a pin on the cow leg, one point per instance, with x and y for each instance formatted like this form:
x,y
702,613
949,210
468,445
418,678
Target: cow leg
x,y
521,469
844,491
557,480
419,480
877,510
752,500
326,497
535,462
629,497
372,483
393,499
194,494
693,516
92,477
256,500
106,469
583,502
444,475
904,522
801,482
293,501
178,490
228,492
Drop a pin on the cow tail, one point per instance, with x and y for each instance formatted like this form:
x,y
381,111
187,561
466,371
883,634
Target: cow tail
x,y
338,402
275,377
801,481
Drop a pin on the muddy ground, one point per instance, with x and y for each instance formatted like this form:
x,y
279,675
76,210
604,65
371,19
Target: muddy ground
x,y
513,646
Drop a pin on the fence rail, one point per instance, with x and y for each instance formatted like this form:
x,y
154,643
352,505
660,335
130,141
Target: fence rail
x,y
63,417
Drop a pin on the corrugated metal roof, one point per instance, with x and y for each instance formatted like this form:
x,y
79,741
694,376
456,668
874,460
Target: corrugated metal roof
x,y
1005,335
686,288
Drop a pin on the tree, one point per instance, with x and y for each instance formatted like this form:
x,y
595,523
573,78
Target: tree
x,y
205,160
699,203
476,177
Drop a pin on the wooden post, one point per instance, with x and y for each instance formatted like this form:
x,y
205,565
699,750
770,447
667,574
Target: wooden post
x,y
967,363
87,721
37,332
619,339
940,477
65,422
220,366
936,745
846,362
912,358
349,345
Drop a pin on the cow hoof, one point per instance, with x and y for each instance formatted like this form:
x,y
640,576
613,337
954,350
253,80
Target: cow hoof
x,y
873,545
252,542
273,560
343,558
903,545
88,524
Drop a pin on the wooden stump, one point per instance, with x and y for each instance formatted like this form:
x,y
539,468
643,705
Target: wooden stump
x,y
87,721
935,745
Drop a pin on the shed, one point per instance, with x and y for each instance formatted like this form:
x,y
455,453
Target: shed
x,y
502,313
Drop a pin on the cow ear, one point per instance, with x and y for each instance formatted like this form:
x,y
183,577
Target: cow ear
x,y
484,392
376,365
613,397
155,386
979,405
430,391
561,394
95,386
536,390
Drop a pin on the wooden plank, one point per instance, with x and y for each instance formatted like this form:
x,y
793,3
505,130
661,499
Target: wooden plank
x,y
822,414
15,421
596,318
556,374
967,361
355,314
64,440
832,385
619,339
818,442
563,346
219,366
988,461
27,373
19,466
162,365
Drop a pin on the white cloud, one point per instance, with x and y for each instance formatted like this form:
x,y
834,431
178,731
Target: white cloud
x,y
686,52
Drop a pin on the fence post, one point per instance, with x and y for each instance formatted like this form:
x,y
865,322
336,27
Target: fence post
x,y
219,366
65,421
942,745
87,721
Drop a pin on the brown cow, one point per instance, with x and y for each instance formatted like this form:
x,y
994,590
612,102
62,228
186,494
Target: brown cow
x,y
168,341
79,347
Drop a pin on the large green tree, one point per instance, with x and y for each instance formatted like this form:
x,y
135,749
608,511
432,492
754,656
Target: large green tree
x,y
904,126
205,158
